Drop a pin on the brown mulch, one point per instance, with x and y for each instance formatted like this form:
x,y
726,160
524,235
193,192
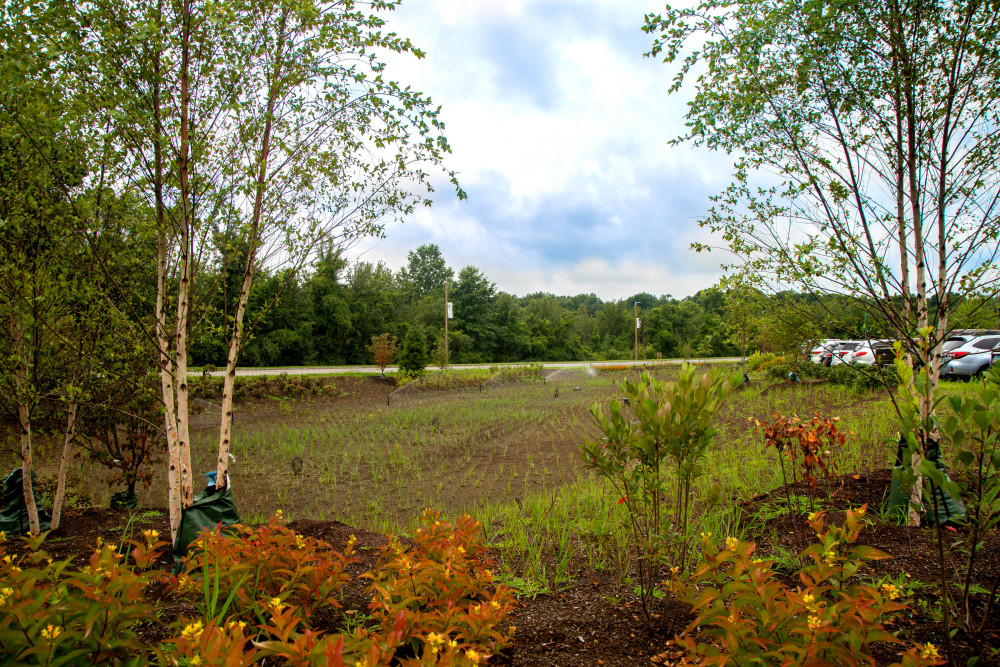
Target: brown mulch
x,y
596,621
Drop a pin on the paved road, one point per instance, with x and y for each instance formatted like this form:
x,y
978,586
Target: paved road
x,y
328,370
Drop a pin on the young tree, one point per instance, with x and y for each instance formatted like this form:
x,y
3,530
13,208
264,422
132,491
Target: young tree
x,y
383,348
413,356
866,136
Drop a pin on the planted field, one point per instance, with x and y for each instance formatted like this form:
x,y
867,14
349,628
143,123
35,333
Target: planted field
x,y
372,456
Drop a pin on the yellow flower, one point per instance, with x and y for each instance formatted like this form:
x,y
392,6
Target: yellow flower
x,y
494,604
705,536
732,543
815,515
150,535
236,624
862,511
809,600
814,622
352,540
830,557
929,651
5,594
890,591
300,542
675,570
3,536
471,655
435,640
275,605
195,660
192,631
453,644
50,632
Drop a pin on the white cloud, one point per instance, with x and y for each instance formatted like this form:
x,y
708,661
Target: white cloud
x,y
559,131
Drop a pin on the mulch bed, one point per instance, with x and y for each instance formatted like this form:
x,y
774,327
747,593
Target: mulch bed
x,y
596,621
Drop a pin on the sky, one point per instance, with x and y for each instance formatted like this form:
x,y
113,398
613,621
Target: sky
x,y
559,131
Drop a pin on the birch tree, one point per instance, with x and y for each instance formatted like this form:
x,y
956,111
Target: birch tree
x,y
271,124
865,137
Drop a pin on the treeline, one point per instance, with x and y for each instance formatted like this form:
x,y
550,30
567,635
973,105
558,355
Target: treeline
x,y
329,314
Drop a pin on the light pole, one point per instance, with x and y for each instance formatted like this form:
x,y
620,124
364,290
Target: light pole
x,y
635,311
446,315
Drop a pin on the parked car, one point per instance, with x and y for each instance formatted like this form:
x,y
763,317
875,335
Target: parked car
x,y
872,352
822,352
845,352
959,337
970,358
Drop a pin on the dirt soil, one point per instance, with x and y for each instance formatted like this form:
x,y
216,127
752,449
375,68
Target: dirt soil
x,y
597,622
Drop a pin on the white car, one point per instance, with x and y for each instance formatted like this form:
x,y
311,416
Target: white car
x,y
845,353
822,352
870,352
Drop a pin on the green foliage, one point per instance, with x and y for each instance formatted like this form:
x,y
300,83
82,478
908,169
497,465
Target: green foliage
x,y
748,616
670,434
413,356
761,360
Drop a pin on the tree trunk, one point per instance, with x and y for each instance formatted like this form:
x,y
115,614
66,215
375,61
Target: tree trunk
x,y
184,288
68,436
24,423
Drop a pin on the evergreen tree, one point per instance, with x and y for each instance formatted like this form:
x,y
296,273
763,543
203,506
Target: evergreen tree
x,y
413,356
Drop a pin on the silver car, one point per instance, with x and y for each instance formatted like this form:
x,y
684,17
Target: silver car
x,y
971,358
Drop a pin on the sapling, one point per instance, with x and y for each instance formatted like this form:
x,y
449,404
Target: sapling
x,y
671,432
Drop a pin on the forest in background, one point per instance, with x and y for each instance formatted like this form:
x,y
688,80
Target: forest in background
x,y
329,314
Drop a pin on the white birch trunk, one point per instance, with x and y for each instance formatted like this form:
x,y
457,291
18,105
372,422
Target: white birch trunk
x,y
167,391
68,436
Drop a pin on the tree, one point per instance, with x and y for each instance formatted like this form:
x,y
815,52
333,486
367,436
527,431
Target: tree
x,y
413,356
866,136
425,271
383,348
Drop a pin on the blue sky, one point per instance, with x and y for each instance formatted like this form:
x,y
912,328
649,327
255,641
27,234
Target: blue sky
x,y
559,131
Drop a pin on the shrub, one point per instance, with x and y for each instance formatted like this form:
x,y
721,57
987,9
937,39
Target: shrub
x,y
237,573
671,432
50,614
759,360
748,616
413,356
432,604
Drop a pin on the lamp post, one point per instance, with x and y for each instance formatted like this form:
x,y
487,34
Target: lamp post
x,y
635,312
446,316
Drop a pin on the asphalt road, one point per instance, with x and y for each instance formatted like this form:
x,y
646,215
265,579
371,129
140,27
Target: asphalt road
x,y
329,370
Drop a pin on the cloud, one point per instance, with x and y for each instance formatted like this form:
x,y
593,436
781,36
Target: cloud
x,y
559,131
